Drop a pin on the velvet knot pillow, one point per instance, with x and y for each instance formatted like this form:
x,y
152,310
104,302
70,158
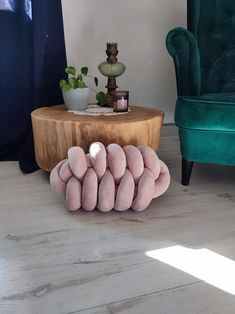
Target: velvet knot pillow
x,y
110,178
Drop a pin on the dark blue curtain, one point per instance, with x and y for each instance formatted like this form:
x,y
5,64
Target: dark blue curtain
x,y
32,61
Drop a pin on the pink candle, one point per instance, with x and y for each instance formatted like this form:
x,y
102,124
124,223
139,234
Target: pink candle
x,y
120,103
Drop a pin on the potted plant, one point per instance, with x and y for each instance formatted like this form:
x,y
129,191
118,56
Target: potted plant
x,y
75,91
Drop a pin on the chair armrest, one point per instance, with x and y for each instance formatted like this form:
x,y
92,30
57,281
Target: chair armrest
x,y
183,47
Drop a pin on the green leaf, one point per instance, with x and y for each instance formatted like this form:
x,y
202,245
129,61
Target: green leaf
x,y
96,81
62,83
100,97
66,87
73,82
84,70
70,70
76,83
81,84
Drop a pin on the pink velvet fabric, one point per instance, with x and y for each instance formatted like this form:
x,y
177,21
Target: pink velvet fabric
x,y
110,178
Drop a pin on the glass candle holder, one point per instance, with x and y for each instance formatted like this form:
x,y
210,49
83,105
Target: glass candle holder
x,y
120,100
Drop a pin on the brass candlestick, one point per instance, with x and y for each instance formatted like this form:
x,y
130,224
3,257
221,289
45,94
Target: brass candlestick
x,y
111,68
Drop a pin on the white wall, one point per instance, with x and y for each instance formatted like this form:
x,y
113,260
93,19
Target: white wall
x,y
139,28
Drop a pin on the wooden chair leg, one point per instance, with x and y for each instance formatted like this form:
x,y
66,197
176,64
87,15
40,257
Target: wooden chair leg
x,y
187,167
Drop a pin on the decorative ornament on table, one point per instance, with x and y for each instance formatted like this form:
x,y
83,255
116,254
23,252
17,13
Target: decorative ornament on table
x,y
111,68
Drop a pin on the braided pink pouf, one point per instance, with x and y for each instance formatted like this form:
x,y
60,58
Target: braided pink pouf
x,y
110,178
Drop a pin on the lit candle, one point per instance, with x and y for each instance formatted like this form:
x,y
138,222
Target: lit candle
x,y
120,103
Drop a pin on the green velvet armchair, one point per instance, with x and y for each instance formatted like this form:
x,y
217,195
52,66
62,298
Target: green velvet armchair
x,y
204,59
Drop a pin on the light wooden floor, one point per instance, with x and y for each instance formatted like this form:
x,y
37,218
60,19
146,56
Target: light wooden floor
x,y
52,261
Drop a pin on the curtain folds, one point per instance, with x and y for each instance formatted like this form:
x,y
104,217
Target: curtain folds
x,y
32,61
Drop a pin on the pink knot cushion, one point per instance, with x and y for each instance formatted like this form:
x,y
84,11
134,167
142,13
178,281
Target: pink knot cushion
x,y
110,178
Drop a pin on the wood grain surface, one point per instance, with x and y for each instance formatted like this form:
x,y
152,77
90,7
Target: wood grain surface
x,y
56,130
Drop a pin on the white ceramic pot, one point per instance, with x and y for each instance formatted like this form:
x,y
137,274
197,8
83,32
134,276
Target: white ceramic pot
x,y
76,99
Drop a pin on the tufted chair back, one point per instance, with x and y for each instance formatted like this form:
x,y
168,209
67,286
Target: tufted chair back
x,y
213,24
204,59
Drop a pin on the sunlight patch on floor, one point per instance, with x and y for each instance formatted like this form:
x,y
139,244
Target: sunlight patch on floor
x,y
204,264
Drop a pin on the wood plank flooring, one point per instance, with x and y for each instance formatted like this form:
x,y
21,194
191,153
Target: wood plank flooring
x,y
53,262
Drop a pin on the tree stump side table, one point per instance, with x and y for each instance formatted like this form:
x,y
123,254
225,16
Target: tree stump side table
x,y
55,130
